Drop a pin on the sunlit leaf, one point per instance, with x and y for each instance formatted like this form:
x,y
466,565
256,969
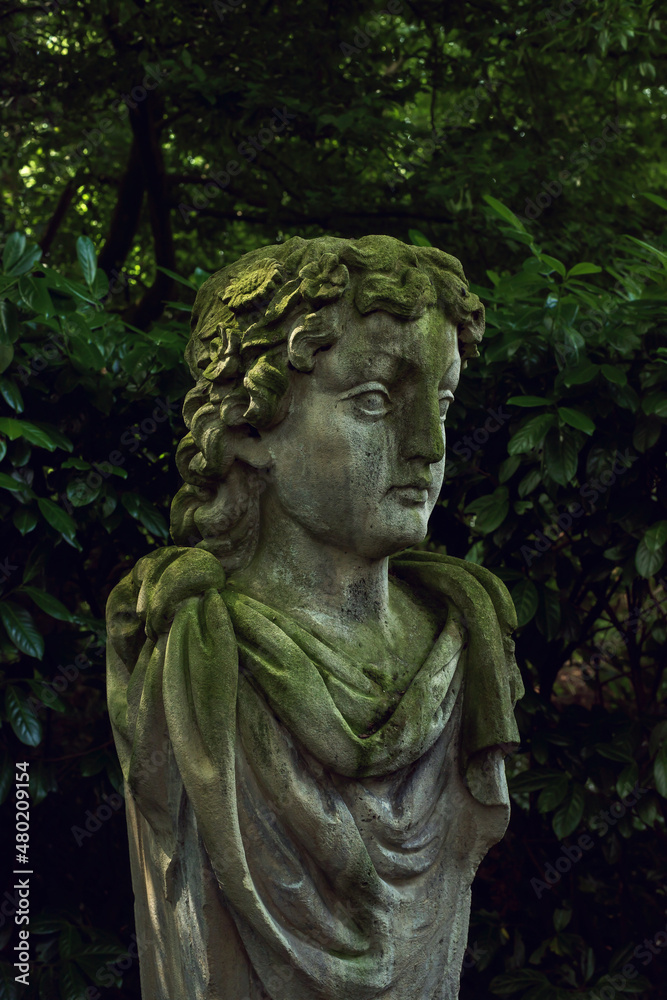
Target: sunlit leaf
x,y
85,251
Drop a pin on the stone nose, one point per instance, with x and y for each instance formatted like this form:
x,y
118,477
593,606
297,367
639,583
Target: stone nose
x,y
423,431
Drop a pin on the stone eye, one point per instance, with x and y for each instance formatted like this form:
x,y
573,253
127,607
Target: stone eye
x,y
374,403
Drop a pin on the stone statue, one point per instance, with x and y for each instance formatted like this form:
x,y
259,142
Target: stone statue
x,y
312,728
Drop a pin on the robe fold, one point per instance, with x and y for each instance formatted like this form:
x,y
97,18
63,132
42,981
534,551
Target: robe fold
x,y
296,833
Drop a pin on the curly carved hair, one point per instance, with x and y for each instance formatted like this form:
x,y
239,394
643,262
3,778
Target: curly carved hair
x,y
258,318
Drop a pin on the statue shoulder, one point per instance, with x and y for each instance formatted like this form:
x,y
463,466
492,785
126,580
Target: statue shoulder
x,y
143,604
436,570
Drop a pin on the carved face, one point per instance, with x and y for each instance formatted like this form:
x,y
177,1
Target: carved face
x,y
358,461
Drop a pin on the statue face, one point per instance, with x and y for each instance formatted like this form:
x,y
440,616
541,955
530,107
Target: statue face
x,y
358,461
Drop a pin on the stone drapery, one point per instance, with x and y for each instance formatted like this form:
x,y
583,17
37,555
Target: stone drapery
x,y
329,835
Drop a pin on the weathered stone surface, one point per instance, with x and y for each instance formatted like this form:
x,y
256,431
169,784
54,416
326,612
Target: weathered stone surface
x,y
311,728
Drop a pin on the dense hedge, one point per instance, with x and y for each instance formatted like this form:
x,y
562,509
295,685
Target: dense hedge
x,y
555,480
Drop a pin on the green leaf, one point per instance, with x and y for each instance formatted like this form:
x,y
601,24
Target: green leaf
x,y
562,919
12,251
65,285
93,763
646,432
55,437
647,808
520,979
567,818
46,694
490,511
660,254
200,276
658,737
660,771
585,267
533,780
85,251
42,781
35,294
554,793
656,199
526,600
588,964
418,239
17,258
177,277
100,285
553,262
504,212
655,404
531,434
75,463
84,353
32,255
575,418
79,493
179,306
619,751
529,482
6,778
147,513
548,617
508,468
9,322
583,373
24,519
48,603
614,375
34,564
627,779
21,629
72,984
69,942
11,393
648,561
561,457
22,719
8,989
656,536
529,401
9,483
60,520
44,436
6,356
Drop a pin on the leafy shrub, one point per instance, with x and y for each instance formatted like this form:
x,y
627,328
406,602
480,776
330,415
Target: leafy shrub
x,y
564,498
85,482
566,407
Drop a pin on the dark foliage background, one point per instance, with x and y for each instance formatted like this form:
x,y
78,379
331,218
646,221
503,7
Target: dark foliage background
x,y
137,156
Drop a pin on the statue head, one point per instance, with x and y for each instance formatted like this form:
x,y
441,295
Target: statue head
x,y
257,329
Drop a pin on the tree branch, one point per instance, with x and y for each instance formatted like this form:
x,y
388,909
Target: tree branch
x,y
125,218
53,226
144,120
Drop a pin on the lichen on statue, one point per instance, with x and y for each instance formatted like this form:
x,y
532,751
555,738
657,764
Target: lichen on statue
x,y
333,716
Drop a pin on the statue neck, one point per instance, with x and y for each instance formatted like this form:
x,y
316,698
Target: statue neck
x,y
291,570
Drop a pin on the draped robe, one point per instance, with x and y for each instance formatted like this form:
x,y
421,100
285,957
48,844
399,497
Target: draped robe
x,y
296,832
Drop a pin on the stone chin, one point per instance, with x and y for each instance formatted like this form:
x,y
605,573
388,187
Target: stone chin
x,y
394,526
